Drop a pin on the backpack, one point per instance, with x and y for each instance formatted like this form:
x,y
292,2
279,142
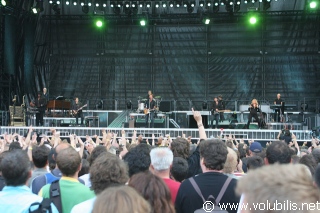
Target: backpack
x,y
55,194
43,207
209,206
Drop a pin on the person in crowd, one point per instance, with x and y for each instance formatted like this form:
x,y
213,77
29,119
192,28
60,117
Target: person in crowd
x,y
179,169
161,162
154,190
122,199
138,159
16,195
40,161
280,188
93,156
310,162
2,181
255,148
106,171
254,162
278,152
213,155
69,163
231,163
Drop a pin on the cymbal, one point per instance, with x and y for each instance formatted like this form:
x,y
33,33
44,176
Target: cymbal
x,y
157,97
144,99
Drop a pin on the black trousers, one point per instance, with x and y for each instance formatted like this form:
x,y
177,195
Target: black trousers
x,y
151,114
215,117
79,115
39,118
253,114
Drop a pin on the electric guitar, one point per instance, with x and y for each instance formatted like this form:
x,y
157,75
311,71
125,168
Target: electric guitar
x,y
147,111
75,112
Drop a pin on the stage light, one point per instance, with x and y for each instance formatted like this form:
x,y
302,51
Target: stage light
x,y
74,2
127,4
157,4
238,2
201,3
89,3
50,1
206,21
134,4
215,7
164,4
245,1
208,3
143,22
104,5
99,23
193,3
178,4
34,10
3,3
58,2
216,3
141,4
67,2
171,4
185,4
252,20
313,4
112,4
97,4
223,2
148,4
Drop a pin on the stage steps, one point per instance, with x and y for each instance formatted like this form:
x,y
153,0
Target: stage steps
x,y
118,122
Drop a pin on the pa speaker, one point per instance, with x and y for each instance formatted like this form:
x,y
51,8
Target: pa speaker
x,y
165,106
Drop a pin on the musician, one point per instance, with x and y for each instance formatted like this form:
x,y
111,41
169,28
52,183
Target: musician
x,y
221,107
149,93
77,110
45,94
149,110
253,109
40,103
278,101
215,112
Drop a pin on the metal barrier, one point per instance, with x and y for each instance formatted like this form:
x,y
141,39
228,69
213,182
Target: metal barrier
x,y
253,134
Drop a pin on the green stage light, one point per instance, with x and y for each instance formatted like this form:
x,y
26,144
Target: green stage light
x,y
253,20
143,23
99,23
313,4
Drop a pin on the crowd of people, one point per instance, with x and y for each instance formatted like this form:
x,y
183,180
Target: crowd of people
x,y
110,173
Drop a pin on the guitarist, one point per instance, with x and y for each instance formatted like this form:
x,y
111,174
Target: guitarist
x,y
215,112
150,106
76,111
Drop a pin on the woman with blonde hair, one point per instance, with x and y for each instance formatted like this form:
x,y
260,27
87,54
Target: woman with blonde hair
x,y
253,109
122,199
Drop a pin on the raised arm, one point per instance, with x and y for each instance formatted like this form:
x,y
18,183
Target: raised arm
x,y
197,116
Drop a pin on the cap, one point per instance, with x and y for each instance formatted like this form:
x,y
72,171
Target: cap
x,y
256,147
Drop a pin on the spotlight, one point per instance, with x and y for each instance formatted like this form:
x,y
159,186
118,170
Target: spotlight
x,y
206,20
253,20
185,4
193,3
157,4
134,4
74,2
143,22
81,3
67,2
178,4
148,4
97,4
38,8
245,1
112,4
238,2
223,2
127,4
215,6
99,23
208,3
85,9
34,10
216,3
89,3
164,4
141,4
201,3
171,4
58,2
104,5
3,3
50,1
313,4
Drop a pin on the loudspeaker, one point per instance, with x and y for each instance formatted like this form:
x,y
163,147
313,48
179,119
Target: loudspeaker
x,y
165,106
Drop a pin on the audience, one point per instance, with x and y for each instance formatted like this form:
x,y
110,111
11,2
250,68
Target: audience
x,y
310,162
231,164
154,190
179,169
72,192
16,196
107,170
138,159
40,161
254,162
213,155
161,161
283,186
2,181
122,199
278,152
